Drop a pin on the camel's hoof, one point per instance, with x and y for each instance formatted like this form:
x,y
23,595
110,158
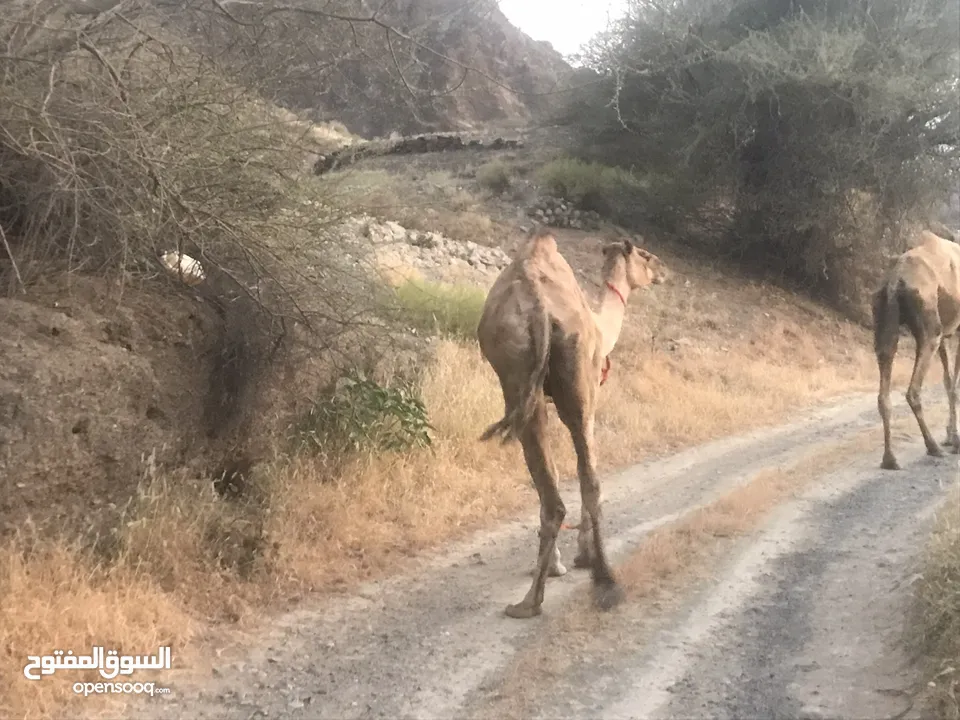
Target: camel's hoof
x,y
935,451
520,611
582,561
889,463
607,595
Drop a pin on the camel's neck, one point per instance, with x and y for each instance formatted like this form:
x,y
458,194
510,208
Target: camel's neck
x,y
613,303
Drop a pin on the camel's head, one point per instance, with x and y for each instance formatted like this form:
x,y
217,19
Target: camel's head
x,y
642,267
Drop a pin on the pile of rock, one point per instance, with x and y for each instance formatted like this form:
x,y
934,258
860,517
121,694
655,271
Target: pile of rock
x,y
432,249
557,212
427,251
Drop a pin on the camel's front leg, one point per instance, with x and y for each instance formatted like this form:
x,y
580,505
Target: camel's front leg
x,y
584,558
950,385
557,568
925,349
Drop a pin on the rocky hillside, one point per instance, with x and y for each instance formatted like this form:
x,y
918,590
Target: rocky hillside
x,y
403,66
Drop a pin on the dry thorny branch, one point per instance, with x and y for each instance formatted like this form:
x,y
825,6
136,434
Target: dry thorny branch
x,y
119,143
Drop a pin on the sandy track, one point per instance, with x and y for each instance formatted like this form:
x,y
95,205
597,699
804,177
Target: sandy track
x,y
804,620
753,642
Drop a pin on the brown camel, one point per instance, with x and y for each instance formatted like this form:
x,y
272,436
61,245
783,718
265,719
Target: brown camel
x,y
921,291
542,338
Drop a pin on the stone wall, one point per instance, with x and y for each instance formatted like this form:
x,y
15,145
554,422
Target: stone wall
x,y
407,146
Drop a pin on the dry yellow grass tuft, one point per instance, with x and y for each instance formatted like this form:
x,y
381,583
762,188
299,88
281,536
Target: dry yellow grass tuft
x,y
55,598
935,621
355,525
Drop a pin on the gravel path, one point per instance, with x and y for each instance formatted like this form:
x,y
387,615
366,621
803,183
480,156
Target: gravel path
x,y
800,620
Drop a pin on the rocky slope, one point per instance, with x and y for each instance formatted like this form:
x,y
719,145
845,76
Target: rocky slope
x,y
402,66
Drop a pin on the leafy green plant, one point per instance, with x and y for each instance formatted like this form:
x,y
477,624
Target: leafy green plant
x,y
362,415
589,185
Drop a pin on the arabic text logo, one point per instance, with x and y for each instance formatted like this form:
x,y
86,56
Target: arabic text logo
x,y
109,663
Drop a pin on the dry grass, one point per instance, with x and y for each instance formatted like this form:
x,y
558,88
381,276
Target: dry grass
x,y
357,524
935,620
319,526
55,598
670,558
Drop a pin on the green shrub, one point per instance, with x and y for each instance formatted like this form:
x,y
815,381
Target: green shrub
x,y
589,185
362,415
447,310
495,176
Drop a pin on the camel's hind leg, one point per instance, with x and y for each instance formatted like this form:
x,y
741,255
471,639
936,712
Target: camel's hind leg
x,y
552,511
950,385
556,568
574,394
885,362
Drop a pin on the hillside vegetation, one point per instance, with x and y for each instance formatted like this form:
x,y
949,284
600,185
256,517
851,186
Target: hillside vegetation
x,y
803,138
178,457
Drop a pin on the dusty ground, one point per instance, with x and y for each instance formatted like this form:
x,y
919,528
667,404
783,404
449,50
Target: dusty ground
x,y
799,616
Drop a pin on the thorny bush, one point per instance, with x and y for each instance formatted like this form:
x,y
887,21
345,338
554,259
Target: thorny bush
x,y
119,143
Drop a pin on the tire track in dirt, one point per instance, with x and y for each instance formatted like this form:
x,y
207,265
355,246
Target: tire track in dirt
x,y
802,619
821,635
423,643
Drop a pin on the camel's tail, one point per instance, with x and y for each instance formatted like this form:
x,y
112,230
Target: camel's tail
x,y
894,305
886,319
520,413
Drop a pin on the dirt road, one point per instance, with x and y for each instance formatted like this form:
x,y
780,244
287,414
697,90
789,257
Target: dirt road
x,y
799,617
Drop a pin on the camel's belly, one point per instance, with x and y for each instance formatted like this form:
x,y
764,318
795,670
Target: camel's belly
x,y
948,307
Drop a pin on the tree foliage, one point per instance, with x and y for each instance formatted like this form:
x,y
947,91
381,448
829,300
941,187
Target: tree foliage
x,y
798,133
